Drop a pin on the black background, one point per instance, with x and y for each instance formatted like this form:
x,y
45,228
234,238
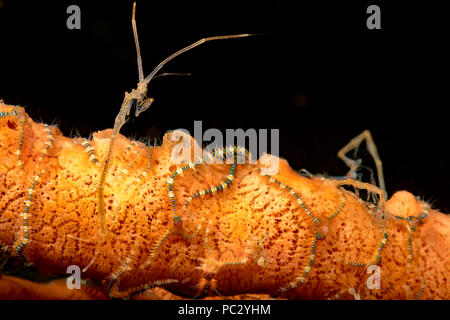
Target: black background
x,y
317,73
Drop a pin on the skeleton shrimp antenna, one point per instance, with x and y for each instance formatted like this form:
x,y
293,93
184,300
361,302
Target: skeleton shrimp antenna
x,y
195,44
136,41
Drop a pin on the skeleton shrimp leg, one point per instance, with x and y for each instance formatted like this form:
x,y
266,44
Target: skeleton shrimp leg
x,y
371,189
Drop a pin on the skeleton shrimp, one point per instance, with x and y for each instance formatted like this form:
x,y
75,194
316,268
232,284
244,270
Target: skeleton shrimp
x,y
137,97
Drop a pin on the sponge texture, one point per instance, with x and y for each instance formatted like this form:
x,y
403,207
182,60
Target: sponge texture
x,y
252,237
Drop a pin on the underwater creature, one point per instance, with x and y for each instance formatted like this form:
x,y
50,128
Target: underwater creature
x,y
131,218
285,235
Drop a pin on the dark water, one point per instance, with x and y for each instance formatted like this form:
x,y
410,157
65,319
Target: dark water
x,y
316,73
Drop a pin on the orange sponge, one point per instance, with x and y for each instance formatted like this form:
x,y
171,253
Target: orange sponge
x,y
286,235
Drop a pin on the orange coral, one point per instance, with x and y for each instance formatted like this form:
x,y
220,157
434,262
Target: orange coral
x,y
253,237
